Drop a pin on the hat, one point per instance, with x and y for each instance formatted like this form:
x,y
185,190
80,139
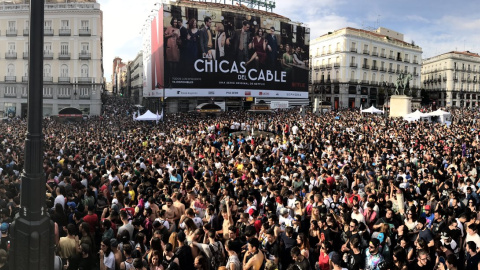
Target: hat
x,y
284,211
72,205
113,242
4,227
428,207
381,237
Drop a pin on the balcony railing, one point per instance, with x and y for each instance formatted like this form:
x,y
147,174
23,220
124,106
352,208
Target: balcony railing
x,y
84,79
26,32
10,78
47,79
11,55
415,61
63,79
84,55
364,81
84,32
353,65
25,55
10,95
48,55
338,50
399,59
353,49
374,53
322,67
329,66
365,66
64,96
336,65
366,52
24,78
374,68
316,67
383,55
391,57
406,60
398,71
65,32
48,32
11,32
391,70
64,56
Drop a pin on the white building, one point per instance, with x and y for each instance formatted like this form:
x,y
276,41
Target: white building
x,y
72,71
353,67
135,79
452,79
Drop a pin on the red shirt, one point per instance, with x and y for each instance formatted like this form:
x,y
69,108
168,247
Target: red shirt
x,y
92,220
323,261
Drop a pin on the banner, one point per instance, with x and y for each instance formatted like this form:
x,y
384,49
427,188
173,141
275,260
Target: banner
x,y
153,58
216,51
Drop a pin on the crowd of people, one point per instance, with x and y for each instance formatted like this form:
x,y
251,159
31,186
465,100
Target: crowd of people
x,y
332,191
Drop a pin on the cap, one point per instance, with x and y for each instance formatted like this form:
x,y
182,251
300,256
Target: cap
x,y
428,207
284,211
72,205
4,227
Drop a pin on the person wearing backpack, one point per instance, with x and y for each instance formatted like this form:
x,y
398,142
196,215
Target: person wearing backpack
x,y
213,249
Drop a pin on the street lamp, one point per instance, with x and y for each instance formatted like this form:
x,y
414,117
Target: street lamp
x,y
32,232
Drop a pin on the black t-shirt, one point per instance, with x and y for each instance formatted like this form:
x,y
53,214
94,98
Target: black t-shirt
x,y
273,250
303,265
289,242
185,257
426,235
414,266
356,261
326,234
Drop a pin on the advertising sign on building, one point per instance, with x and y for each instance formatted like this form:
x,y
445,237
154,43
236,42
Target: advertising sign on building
x,y
221,53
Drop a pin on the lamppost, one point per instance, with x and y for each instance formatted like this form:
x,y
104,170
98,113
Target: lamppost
x,y
32,232
385,86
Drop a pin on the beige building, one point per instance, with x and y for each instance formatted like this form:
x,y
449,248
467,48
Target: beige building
x,y
452,79
135,79
353,67
72,70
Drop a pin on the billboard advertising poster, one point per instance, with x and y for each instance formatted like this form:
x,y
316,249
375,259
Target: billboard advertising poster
x,y
153,83
215,51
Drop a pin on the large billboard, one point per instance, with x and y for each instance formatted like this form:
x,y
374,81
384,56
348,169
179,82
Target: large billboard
x,y
153,57
214,52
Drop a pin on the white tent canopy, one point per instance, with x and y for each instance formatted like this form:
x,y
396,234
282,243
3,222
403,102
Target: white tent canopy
x,y
372,110
148,116
416,115
439,112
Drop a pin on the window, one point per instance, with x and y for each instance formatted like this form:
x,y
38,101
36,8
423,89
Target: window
x,y
85,48
338,47
47,48
65,24
391,54
47,70
406,69
353,60
364,76
85,25
382,65
64,48
11,47
329,48
406,57
365,61
374,77
352,75
374,63
323,50
64,91
414,70
26,47
12,25
48,25
24,91
365,48
64,71
383,51
11,70
27,25
26,70
398,67
84,71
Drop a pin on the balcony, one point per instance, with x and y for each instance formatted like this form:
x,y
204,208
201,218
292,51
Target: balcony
x,y
336,65
353,65
48,55
25,55
65,32
406,60
398,71
48,32
47,79
64,96
374,68
84,79
374,53
444,78
84,32
84,55
26,32
415,61
64,79
364,81
11,32
353,81
10,78
329,66
335,81
391,57
399,59
353,50
338,51
10,95
316,67
374,83
24,78
383,55
11,55
366,52
391,70
364,66
64,56
416,75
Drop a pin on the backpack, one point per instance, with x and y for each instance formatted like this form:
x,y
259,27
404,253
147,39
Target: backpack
x,y
217,255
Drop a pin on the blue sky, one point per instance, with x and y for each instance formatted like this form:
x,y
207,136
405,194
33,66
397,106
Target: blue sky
x,y
436,26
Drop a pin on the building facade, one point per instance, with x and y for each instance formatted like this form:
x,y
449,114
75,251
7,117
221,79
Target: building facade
x,y
72,70
353,67
452,79
135,79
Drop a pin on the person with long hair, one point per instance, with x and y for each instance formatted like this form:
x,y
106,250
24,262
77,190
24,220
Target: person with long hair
x,y
399,259
155,261
193,38
155,246
107,259
169,256
172,39
173,241
303,244
259,45
219,50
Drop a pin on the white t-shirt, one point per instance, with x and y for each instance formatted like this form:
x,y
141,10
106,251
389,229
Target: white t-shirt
x,y
475,238
109,261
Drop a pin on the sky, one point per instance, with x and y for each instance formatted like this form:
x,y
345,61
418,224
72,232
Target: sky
x,y
436,26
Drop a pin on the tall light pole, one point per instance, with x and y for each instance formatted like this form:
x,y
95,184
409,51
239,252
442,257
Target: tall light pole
x,y
32,232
